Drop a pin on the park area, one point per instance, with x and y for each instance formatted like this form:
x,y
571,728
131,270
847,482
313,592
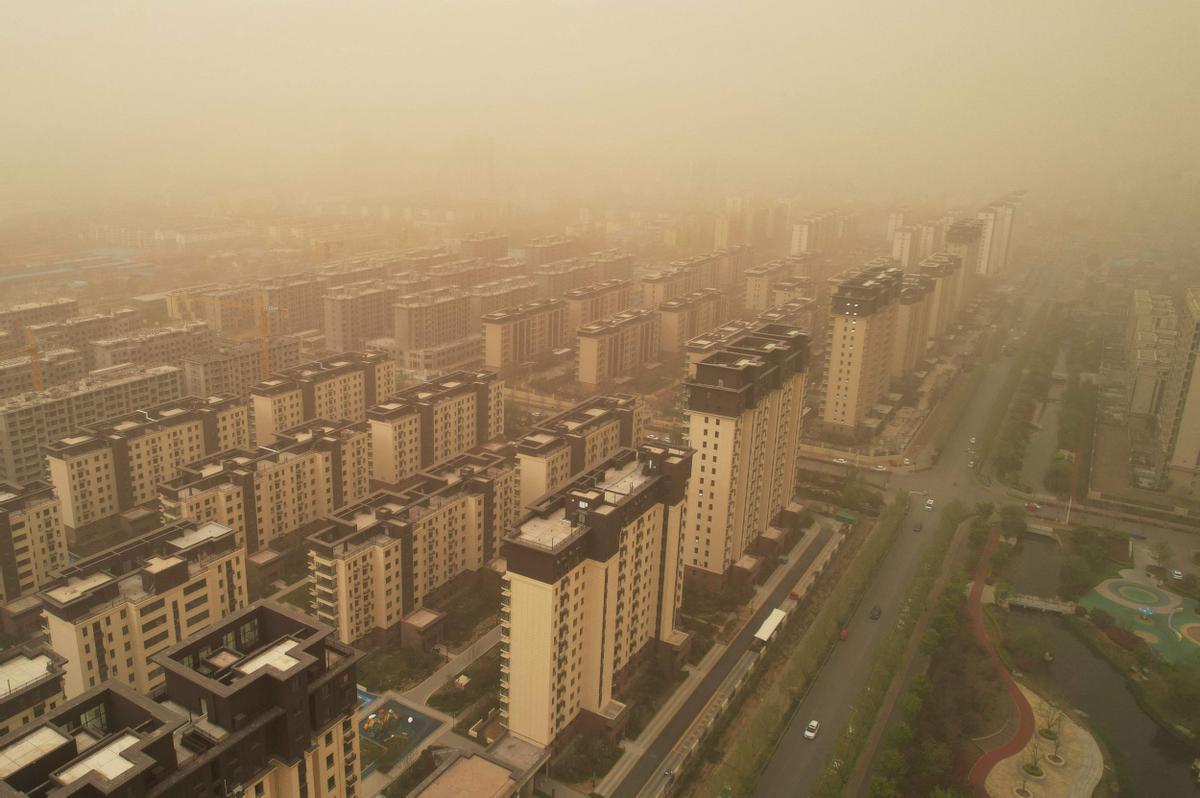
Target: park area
x,y
389,733
1167,622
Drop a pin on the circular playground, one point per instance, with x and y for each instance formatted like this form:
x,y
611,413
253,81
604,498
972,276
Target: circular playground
x,y
1163,619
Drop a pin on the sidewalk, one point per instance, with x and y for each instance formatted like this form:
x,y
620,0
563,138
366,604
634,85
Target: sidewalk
x,y
634,749
454,666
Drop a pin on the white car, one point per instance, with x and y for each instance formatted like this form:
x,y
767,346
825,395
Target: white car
x,y
972,440
971,464
1177,574
840,461
880,468
929,504
810,731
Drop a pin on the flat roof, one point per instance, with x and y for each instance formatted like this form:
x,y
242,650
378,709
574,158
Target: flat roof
x,y
276,656
107,760
471,775
548,532
75,588
29,749
22,670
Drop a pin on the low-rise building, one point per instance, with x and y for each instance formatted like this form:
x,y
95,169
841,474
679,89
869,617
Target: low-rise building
x,y
593,583
109,613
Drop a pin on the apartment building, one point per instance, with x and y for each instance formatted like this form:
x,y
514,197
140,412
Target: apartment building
x,y
293,302
78,332
761,281
549,249
863,311
1153,336
357,312
964,238
597,301
262,704
685,317
946,271
435,331
613,264
33,679
33,546
664,285
268,493
462,273
558,277
30,421
14,319
1178,419
499,294
106,468
617,346
745,408
593,584
338,387
515,336
486,245
235,367
913,312
570,443
109,613
55,367
377,562
150,347
427,424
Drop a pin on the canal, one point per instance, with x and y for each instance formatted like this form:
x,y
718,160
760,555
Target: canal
x,y
1150,762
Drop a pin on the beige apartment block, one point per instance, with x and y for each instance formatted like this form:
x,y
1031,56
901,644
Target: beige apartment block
x,y
1179,412
518,335
597,301
109,613
33,679
78,332
16,318
685,317
913,314
30,421
488,245
33,546
235,367
107,468
862,326
964,238
462,273
338,387
593,584
496,295
357,312
56,366
268,493
745,412
550,248
159,345
293,302
377,562
618,346
666,284
429,423
556,278
761,281
564,446
433,317
947,273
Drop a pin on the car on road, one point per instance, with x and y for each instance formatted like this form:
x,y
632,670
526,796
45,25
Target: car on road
x,y
880,468
918,527
840,461
876,611
1177,574
907,461
1032,507
971,464
810,731
929,504
972,440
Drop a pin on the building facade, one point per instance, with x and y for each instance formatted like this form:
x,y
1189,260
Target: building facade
x,y
518,335
617,346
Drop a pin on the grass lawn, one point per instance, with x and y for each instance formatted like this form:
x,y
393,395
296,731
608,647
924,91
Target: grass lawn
x,y
396,668
484,674
471,610
300,597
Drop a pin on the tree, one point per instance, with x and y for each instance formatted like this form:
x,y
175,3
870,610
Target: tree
x,y
1012,520
984,510
1027,643
1058,478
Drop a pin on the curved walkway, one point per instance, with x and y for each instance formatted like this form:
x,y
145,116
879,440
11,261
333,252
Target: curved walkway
x,y
979,771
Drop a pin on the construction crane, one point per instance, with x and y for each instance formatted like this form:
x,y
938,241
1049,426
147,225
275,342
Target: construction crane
x,y
35,358
262,315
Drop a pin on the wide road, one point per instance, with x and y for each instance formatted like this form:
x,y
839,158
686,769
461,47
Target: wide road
x,y
798,762
679,723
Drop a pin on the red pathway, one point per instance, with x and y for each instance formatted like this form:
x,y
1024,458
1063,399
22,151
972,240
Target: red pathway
x,y
983,766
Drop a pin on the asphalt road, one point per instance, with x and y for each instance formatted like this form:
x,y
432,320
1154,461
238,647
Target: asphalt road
x,y
679,723
797,762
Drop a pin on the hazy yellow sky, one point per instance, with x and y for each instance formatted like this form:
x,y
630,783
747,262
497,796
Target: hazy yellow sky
x,y
849,98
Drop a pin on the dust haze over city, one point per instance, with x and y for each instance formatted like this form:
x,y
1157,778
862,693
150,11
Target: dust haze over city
x,y
600,398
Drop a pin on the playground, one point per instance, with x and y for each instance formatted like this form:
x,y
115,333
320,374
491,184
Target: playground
x,y
1168,622
391,732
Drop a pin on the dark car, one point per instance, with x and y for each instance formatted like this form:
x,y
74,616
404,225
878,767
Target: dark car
x,y
876,611
918,527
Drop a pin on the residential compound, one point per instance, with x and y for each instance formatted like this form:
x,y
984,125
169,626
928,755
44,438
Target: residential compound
x,y
105,469
267,493
593,582
52,367
236,366
435,332
377,561
357,312
33,546
261,704
30,421
429,423
597,301
722,269
150,347
338,387
15,319
1178,415
564,446
516,336
617,346
745,404
110,613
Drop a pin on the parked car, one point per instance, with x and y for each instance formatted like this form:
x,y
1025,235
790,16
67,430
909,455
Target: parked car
x,y
1032,507
880,468
971,464
929,504
918,527
840,461
876,611
1177,574
810,731
972,440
